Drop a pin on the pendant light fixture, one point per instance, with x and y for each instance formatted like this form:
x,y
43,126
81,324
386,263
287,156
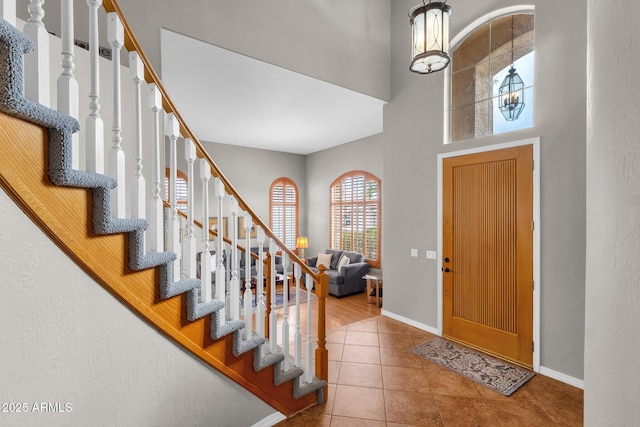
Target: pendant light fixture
x,y
511,92
429,37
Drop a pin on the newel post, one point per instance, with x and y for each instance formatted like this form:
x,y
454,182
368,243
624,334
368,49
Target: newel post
x,y
267,291
322,355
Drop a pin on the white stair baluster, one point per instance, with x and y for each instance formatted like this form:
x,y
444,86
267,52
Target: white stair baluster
x,y
173,132
309,369
36,64
183,250
273,317
190,237
156,208
8,11
67,86
297,272
234,286
260,305
138,195
205,256
94,132
221,277
285,310
248,296
115,35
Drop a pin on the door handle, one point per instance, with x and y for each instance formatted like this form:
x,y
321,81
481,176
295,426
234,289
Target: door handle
x,y
446,270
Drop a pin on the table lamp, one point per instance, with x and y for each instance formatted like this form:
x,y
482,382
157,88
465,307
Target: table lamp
x,y
302,243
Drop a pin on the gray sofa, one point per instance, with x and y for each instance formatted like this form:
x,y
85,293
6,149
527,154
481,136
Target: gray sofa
x,y
348,279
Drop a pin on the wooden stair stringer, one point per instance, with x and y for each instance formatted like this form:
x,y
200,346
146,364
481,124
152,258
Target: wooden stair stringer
x,y
24,176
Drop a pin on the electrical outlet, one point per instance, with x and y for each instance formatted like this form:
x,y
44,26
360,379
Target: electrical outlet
x,y
414,253
432,255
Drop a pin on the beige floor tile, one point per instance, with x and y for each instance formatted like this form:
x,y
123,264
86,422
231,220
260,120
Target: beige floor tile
x,y
402,341
390,356
408,379
334,370
359,375
337,337
362,338
369,325
413,408
359,402
361,354
446,382
355,422
335,351
463,412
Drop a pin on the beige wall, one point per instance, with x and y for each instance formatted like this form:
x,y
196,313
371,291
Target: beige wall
x,y
413,137
612,336
66,339
342,42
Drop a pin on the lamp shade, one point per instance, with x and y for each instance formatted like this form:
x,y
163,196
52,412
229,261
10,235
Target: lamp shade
x,y
429,37
302,242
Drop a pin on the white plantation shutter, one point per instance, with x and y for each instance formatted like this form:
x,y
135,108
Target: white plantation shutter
x,y
284,211
355,219
181,191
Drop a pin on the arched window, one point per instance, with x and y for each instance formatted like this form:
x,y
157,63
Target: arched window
x,y
479,65
181,189
283,205
355,215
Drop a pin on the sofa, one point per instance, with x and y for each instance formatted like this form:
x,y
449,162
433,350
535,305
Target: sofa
x,y
345,277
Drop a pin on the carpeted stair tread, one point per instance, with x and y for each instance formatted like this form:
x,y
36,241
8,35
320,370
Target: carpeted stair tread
x,y
260,362
219,329
241,346
280,377
197,309
316,385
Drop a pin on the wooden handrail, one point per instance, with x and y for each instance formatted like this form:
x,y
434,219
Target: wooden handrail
x,y
131,44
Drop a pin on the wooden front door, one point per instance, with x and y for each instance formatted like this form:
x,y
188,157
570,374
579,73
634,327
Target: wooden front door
x,y
487,259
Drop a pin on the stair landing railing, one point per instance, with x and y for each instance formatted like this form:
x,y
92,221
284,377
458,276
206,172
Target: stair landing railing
x,y
170,228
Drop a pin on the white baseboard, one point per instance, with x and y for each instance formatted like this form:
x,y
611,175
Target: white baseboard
x,y
271,420
567,379
410,322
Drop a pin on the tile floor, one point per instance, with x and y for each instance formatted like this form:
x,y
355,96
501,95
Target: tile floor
x,y
375,381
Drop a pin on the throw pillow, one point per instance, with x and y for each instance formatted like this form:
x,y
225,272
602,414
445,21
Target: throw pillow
x,y
324,259
344,260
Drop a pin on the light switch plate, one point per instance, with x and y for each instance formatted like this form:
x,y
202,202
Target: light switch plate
x,y
414,253
432,255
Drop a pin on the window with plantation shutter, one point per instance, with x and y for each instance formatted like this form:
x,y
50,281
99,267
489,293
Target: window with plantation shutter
x,y
181,190
283,201
355,215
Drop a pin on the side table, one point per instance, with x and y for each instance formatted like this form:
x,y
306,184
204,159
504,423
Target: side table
x,y
374,286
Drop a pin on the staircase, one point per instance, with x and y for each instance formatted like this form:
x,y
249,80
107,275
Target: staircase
x,y
82,212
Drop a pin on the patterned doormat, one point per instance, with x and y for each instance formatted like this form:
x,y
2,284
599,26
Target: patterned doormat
x,y
486,370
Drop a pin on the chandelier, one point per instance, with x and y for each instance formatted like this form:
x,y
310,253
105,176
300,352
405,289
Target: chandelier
x,y
429,37
511,92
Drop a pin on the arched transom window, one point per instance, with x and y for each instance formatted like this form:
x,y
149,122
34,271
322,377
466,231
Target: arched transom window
x,y
283,200
479,65
355,215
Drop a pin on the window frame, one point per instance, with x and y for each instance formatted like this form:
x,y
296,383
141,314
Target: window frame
x,y
455,43
368,177
181,203
285,181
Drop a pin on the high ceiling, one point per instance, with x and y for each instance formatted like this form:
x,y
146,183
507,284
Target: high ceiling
x,y
232,99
